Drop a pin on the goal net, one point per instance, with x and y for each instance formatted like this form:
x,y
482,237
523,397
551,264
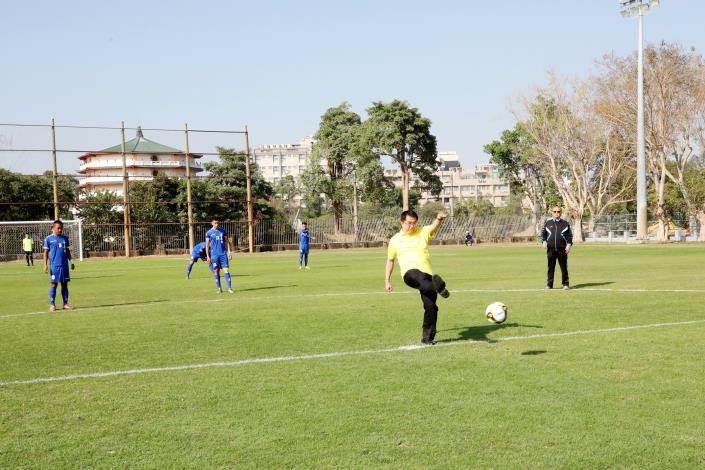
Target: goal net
x,y
12,233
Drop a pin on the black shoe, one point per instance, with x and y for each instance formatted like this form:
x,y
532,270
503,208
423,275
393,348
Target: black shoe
x,y
440,286
429,342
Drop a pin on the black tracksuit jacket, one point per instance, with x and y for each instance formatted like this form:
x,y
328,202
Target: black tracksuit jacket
x,y
556,234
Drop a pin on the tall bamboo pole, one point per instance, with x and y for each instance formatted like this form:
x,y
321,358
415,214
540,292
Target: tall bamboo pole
x,y
250,228
54,171
125,192
188,191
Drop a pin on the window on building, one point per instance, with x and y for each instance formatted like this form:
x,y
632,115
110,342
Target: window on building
x,y
302,158
154,158
155,172
275,158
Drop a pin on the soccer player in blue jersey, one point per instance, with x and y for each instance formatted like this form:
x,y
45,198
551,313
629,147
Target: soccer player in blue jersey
x,y
304,239
219,249
57,257
199,252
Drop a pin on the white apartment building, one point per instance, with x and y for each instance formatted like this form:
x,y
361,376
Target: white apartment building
x,y
144,160
483,181
278,160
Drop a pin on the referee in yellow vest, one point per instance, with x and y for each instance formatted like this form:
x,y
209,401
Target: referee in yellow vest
x,y
28,248
410,248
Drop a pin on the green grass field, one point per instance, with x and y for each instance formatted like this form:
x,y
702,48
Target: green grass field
x,y
607,375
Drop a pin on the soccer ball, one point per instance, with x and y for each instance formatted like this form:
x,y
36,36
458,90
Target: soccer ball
x,y
496,312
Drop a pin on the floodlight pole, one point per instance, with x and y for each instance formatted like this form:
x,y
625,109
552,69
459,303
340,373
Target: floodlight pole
x,y
640,7
641,210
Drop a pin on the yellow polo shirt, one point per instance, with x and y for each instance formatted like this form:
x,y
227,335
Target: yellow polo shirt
x,y
27,244
411,250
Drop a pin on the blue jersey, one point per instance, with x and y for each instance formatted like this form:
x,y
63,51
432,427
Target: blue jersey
x,y
199,251
217,242
57,246
304,238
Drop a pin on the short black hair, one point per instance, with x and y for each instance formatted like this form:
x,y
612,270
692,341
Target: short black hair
x,y
304,223
57,221
410,213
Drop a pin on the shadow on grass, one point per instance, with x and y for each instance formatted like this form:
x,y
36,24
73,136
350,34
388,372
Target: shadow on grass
x,y
95,277
143,302
534,352
265,288
479,333
591,284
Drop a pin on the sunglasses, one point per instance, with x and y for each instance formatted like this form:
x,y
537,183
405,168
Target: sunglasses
x,y
556,212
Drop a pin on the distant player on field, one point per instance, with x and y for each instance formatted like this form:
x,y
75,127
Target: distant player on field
x,y
304,239
28,248
219,250
57,257
410,248
199,252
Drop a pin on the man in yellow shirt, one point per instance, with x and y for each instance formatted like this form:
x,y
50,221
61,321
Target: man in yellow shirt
x,y
28,248
410,248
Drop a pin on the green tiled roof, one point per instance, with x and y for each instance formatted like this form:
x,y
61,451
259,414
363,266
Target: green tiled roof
x,y
141,145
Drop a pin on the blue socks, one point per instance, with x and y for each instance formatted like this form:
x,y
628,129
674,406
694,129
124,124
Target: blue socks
x,y
228,281
189,267
52,295
65,293
217,280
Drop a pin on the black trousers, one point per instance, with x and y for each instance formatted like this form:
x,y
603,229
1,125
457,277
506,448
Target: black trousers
x,y
424,283
562,258
28,257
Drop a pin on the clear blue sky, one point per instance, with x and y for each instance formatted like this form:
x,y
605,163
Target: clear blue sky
x,y
276,66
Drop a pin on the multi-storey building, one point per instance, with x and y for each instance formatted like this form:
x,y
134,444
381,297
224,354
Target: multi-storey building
x,y
278,160
483,181
144,159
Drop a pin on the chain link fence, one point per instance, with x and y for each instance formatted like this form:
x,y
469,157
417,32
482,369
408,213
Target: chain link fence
x,y
172,238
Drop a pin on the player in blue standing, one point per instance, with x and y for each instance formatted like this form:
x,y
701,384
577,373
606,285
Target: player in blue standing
x,y
199,252
304,238
219,250
57,257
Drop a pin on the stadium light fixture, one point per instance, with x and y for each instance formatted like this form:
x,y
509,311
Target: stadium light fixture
x,y
639,8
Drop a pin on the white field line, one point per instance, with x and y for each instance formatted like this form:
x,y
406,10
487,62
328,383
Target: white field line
x,y
346,294
305,357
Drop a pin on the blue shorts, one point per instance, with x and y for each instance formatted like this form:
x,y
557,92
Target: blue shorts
x,y
195,259
303,249
58,274
219,262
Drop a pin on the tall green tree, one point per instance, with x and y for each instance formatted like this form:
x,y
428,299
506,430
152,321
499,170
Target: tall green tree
x,y
287,189
512,153
473,207
30,197
155,201
227,186
333,158
400,132
101,207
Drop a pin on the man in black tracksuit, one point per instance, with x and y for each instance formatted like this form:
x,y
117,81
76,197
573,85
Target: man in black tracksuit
x,y
557,238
